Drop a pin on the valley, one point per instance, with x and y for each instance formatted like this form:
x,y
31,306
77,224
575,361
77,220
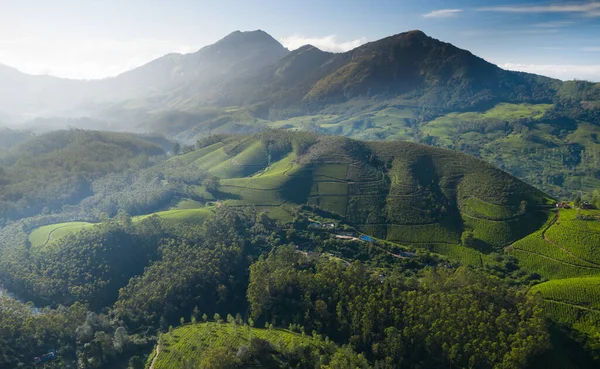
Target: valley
x,y
401,204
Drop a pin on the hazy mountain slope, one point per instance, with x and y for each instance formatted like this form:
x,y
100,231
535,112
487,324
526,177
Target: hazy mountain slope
x,y
27,96
33,96
234,54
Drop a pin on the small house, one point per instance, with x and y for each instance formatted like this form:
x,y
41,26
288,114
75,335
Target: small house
x,y
45,358
367,239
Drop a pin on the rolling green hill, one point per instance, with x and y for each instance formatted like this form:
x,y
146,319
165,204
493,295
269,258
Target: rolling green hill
x,y
573,302
565,248
43,236
397,191
273,348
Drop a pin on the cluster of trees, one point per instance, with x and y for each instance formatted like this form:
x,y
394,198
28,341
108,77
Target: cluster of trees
x,y
49,171
451,319
593,198
80,338
10,138
89,266
279,142
204,268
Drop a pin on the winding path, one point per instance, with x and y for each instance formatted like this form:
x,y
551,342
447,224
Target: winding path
x,y
547,239
155,355
573,305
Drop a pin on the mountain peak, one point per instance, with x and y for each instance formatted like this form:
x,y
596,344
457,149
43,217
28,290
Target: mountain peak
x,y
257,36
307,47
414,33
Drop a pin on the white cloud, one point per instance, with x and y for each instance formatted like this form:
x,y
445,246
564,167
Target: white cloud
x,y
563,72
591,49
442,13
327,43
587,8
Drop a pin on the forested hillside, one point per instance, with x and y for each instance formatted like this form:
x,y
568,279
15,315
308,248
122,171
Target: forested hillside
x,y
49,171
349,254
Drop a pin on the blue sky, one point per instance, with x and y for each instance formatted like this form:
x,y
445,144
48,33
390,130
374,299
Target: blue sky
x,y
100,38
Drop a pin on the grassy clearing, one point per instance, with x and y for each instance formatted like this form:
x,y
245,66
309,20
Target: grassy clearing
x,y
188,343
197,154
564,248
42,237
460,254
574,302
482,209
176,216
249,161
212,159
188,204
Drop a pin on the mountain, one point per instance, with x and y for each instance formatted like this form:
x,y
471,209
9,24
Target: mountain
x,y
26,96
34,96
409,66
404,87
236,53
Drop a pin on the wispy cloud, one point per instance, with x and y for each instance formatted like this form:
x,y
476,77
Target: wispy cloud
x,y
327,43
591,8
563,72
442,13
591,49
555,24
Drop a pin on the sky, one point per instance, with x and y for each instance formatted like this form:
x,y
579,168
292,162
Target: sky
x,y
89,39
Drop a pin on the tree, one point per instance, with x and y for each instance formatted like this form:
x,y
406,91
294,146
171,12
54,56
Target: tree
x,y
212,184
204,318
523,207
217,318
219,357
468,239
136,362
176,149
347,358
120,339
196,312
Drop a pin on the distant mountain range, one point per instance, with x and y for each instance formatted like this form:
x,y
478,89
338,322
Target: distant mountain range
x,y
408,87
252,68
